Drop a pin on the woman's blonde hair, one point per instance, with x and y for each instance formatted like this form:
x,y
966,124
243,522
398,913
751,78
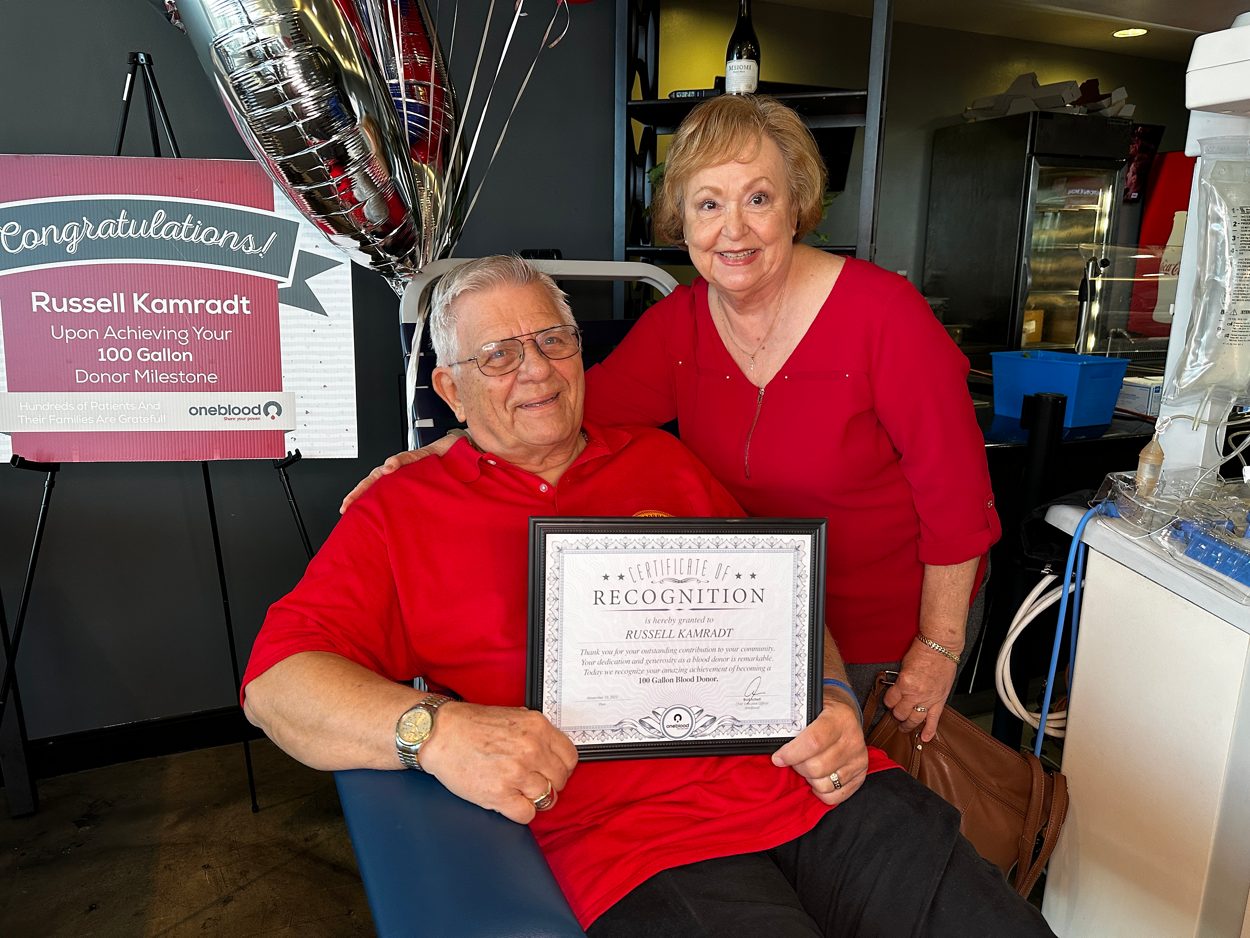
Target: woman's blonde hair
x,y
729,127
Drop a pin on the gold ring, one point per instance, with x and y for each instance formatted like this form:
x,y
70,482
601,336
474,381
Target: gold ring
x,y
548,799
921,709
837,782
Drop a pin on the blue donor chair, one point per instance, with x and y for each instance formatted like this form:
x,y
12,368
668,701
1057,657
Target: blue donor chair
x,y
436,866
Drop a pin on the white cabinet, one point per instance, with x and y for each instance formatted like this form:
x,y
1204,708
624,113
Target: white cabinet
x,y
1157,755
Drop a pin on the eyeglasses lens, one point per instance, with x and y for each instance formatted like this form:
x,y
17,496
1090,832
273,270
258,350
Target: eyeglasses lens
x,y
506,355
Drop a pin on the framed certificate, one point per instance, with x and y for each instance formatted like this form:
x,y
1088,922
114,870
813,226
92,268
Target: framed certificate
x,y
676,636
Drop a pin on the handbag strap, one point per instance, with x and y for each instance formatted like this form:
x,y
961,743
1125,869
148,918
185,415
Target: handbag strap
x,y
1054,823
1032,818
883,680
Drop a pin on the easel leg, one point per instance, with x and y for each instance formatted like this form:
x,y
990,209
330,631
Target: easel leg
x,y
11,646
225,607
127,91
141,65
22,794
281,465
19,786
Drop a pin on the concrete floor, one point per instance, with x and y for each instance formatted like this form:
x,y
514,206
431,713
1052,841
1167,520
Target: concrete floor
x,y
169,846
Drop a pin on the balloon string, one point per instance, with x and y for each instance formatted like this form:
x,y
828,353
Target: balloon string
x,y
434,147
451,46
520,91
568,21
397,51
445,225
481,122
477,66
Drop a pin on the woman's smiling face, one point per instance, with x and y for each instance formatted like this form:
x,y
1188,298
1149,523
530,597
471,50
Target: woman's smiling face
x,y
738,220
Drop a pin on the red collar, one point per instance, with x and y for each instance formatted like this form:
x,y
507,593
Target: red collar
x,y
465,462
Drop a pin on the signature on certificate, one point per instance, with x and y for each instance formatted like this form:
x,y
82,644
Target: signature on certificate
x,y
753,692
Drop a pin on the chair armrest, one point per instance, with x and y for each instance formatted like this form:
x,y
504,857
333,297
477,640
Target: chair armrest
x,y
433,864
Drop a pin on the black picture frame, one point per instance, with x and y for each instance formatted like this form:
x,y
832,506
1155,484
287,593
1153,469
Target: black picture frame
x,y
814,529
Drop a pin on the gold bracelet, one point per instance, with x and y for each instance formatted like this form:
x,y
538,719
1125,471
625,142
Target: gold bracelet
x,y
940,649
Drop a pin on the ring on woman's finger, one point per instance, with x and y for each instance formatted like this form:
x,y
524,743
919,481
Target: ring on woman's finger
x,y
921,709
837,782
548,799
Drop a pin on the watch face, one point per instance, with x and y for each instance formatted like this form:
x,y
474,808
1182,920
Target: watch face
x,y
414,726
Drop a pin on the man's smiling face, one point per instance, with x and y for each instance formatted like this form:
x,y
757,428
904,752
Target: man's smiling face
x,y
531,416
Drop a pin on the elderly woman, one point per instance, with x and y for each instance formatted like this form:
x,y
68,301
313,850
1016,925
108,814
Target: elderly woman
x,y
814,385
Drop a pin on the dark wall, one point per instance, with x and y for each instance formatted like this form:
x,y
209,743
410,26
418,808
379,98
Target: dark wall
x,y
125,621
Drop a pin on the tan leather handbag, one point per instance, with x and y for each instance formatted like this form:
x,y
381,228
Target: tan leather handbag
x,y
1012,807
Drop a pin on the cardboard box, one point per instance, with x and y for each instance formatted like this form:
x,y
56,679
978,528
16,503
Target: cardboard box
x,y
1141,396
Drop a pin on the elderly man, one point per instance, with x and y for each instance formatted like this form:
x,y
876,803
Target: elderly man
x,y
426,575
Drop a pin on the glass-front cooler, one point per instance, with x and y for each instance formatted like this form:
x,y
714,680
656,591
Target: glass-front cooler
x,y
1130,311
1069,230
1023,215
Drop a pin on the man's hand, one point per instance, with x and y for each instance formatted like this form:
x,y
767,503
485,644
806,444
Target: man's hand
x,y
502,758
925,679
834,742
398,461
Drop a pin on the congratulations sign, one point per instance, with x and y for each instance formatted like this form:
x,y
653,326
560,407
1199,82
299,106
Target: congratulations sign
x,y
167,309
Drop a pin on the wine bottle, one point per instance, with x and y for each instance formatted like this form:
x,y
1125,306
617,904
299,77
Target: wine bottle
x,y
742,56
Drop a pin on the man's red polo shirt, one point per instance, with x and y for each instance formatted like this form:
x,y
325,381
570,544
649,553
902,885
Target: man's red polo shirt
x,y
427,575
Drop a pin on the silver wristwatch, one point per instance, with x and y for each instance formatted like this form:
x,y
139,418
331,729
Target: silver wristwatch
x,y
414,729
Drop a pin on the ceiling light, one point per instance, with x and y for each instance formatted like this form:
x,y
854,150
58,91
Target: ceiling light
x,y
1129,33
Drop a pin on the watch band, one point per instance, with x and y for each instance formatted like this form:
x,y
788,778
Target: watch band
x,y
411,758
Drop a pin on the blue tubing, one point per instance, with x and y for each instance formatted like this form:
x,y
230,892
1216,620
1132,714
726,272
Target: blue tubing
x,y
1073,552
1081,553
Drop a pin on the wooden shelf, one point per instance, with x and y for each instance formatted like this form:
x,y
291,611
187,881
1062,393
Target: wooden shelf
x,y
819,109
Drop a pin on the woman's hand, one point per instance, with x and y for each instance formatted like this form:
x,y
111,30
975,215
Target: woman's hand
x,y
832,743
398,461
925,679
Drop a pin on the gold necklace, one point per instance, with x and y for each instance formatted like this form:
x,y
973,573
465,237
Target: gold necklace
x,y
759,348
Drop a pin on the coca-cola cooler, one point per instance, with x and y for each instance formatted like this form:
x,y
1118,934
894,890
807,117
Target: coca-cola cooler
x,y
1022,231
1157,260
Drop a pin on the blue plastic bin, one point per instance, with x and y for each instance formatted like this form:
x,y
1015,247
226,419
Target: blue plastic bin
x,y
1091,382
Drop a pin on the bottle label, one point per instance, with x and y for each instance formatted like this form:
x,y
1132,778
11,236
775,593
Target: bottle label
x,y
742,76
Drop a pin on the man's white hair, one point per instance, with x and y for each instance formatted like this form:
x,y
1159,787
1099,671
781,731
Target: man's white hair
x,y
477,276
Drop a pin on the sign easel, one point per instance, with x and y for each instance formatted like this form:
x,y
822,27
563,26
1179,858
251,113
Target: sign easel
x,y
20,788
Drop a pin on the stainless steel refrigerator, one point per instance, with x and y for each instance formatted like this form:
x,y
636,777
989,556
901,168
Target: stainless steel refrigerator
x,y
1022,220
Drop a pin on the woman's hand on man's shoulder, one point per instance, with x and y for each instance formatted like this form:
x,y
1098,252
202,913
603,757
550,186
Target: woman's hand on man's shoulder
x,y
398,461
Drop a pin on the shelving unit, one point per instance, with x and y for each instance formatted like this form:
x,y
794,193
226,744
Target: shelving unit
x,y
637,32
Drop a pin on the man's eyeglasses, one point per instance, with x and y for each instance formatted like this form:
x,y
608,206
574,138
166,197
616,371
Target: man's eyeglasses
x,y
504,356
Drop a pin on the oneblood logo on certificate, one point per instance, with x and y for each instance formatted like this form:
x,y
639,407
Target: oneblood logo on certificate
x,y
163,309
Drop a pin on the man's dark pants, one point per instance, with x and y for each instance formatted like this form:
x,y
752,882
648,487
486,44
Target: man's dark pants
x,y
889,861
